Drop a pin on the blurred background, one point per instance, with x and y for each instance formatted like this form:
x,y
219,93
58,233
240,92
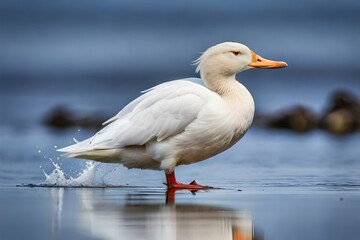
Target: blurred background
x,y
92,57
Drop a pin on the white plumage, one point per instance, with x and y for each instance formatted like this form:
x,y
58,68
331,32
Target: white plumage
x,y
180,122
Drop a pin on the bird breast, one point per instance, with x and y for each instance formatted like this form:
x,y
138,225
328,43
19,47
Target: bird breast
x,y
220,125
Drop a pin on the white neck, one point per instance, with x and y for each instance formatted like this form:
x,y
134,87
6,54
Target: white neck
x,y
217,82
221,83
233,92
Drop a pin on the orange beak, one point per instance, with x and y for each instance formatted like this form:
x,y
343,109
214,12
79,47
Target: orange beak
x,y
259,62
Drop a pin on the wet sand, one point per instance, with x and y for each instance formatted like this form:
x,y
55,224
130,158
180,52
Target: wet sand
x,y
143,213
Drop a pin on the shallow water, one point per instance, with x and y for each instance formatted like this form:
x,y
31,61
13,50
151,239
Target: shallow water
x,y
262,159
275,185
141,213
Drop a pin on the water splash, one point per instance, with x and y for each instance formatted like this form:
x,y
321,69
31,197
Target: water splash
x,y
87,178
91,174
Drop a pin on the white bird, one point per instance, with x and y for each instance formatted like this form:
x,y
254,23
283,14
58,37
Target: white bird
x,y
181,122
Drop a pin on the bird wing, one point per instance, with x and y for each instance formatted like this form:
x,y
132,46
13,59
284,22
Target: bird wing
x,y
128,108
161,112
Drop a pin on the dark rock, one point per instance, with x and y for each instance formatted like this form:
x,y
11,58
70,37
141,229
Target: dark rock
x,y
342,100
298,119
343,114
61,117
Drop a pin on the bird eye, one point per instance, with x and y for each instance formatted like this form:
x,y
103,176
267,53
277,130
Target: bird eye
x,y
236,53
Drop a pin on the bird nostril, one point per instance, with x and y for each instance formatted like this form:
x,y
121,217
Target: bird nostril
x,y
259,60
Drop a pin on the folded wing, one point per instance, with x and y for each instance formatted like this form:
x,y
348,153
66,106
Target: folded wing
x,y
161,112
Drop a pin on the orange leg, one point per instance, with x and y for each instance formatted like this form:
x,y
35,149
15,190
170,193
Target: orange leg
x,y
173,184
170,196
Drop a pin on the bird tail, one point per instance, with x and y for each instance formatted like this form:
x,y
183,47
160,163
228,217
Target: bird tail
x,y
77,147
85,150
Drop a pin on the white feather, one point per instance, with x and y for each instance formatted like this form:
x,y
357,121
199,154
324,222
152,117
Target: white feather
x,y
180,121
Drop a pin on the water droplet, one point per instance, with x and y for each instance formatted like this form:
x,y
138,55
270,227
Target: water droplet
x,y
55,146
78,130
39,151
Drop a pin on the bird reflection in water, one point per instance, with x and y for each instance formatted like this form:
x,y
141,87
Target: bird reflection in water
x,y
139,216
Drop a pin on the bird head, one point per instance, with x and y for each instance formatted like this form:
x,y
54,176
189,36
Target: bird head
x,y
229,58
